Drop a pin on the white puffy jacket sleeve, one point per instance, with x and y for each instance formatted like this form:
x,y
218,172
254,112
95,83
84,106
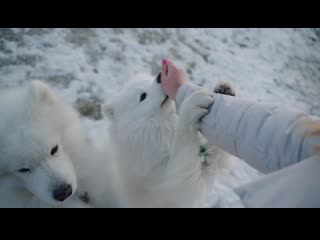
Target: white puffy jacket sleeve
x,y
267,137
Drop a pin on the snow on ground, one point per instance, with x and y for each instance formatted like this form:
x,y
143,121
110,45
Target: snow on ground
x,y
88,66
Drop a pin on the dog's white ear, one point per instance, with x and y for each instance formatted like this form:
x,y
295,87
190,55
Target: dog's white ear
x,y
108,110
41,92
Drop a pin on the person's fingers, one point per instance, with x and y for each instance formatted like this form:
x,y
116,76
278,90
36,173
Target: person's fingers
x,y
171,66
164,70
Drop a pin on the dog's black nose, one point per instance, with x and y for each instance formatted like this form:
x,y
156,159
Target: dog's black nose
x,y
159,78
62,192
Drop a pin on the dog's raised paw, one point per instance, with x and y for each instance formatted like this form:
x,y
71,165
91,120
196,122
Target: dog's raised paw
x,y
195,108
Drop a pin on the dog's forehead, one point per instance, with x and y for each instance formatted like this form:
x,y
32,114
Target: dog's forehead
x,y
132,90
137,85
41,138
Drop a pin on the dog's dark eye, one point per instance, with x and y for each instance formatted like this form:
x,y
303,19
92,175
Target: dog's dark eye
x,y
54,150
24,170
143,97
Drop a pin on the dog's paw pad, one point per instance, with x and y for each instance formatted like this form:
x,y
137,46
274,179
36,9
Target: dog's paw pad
x,y
225,88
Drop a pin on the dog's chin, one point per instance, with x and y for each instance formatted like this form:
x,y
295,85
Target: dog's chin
x,y
50,200
165,100
47,201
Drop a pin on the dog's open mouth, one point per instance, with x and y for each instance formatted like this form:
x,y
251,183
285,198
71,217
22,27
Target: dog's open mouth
x,y
164,101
